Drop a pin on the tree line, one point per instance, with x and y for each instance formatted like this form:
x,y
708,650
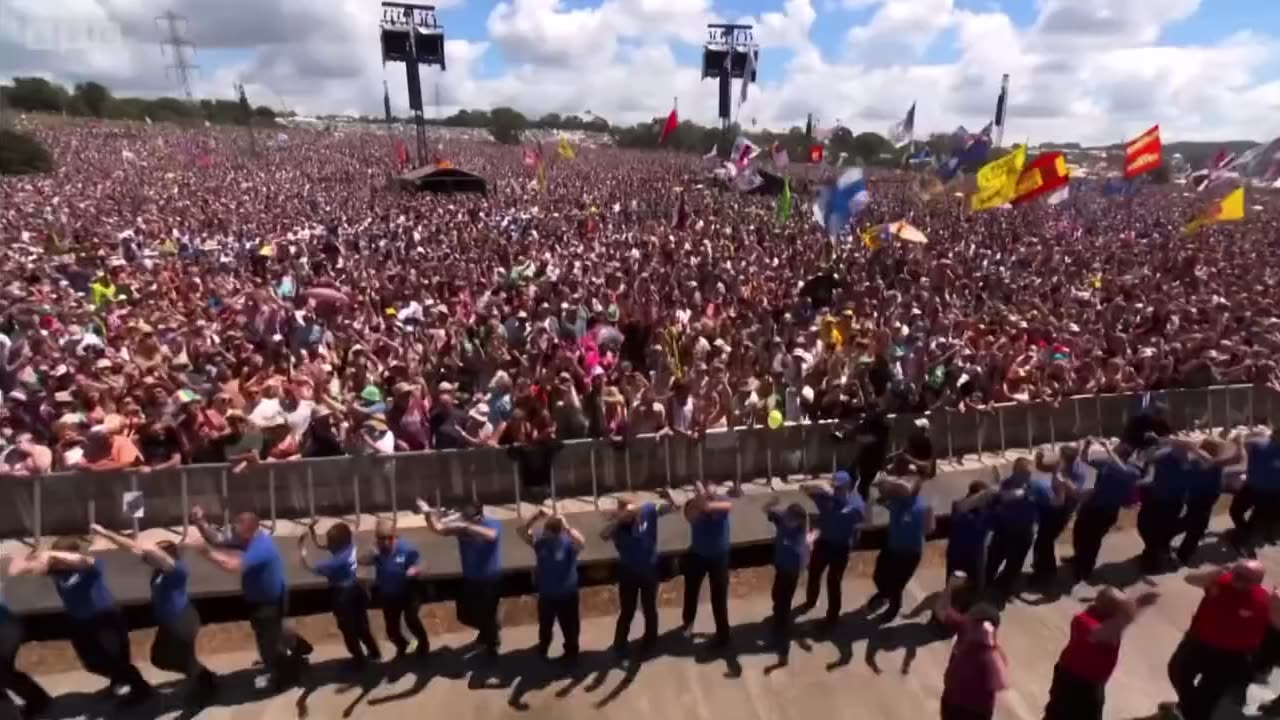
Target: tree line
x,y
93,99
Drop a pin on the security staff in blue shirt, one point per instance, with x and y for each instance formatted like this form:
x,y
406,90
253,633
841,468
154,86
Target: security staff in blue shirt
x,y
792,542
98,632
556,547
1255,510
1115,486
633,529
1068,472
708,557
396,567
910,522
1204,489
350,602
1162,502
1015,511
177,622
841,512
35,699
257,560
480,548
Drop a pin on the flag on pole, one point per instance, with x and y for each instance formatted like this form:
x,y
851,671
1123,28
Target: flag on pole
x,y
968,152
669,126
530,157
783,210
840,201
808,127
779,155
903,131
747,180
1043,174
998,181
1059,195
711,155
746,75
815,153
680,217
743,152
1142,154
1229,209
565,150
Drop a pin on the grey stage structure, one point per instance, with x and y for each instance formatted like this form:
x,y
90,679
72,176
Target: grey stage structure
x,y
724,57
411,35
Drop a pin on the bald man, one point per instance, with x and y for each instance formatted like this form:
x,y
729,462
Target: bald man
x,y
396,567
1080,678
1227,629
262,582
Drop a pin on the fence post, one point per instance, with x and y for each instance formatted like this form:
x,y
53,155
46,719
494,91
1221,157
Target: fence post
x,y
311,492
355,488
186,504
133,487
737,462
1031,437
553,489
391,483
226,500
1226,407
1097,411
37,514
1250,410
702,475
515,480
1000,418
93,512
1076,431
271,497
951,447
626,462
595,485
666,456
1053,428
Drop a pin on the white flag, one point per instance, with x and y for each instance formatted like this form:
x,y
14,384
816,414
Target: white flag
x,y
840,158
748,180
743,151
711,155
1059,195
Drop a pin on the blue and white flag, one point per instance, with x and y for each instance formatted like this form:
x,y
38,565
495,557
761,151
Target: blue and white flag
x,y
968,152
901,133
841,201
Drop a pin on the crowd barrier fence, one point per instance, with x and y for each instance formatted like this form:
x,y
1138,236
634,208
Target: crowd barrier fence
x,y
66,503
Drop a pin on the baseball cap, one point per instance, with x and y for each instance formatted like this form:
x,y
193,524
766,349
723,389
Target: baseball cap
x,y
371,394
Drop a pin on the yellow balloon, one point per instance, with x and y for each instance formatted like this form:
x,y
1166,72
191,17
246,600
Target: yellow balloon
x,y
775,419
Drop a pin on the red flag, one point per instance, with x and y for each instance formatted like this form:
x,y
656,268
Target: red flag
x,y
402,154
669,126
1044,173
1142,154
815,153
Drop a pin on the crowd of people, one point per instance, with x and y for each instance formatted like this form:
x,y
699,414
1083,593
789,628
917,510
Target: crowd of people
x,y
1233,636
171,297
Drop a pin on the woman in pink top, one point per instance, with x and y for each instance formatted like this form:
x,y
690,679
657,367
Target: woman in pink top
x,y
977,670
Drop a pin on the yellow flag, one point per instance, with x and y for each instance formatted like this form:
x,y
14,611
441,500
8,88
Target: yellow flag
x,y
565,150
998,181
1228,209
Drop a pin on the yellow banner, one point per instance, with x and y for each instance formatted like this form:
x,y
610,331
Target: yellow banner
x,y
998,181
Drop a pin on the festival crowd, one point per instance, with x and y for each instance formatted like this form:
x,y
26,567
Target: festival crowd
x,y
171,297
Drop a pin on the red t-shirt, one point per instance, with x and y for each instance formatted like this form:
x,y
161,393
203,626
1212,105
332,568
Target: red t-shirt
x,y
1230,618
1084,658
973,676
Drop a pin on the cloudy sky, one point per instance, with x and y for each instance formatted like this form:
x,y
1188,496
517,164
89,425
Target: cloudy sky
x,y
1085,70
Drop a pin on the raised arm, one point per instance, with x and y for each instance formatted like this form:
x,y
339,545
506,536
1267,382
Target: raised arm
x,y
1109,632
526,530
153,556
575,537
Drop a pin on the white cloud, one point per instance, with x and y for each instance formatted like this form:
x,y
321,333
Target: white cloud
x,y
1089,70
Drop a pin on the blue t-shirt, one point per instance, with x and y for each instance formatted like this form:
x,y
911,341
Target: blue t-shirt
x,y
557,568
1172,475
391,569
1205,480
480,558
790,546
84,593
839,518
262,571
637,543
1115,484
339,568
710,534
906,524
1016,513
968,535
169,593
1262,467
1075,473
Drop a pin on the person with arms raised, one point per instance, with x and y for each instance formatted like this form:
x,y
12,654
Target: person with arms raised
x,y
349,600
910,522
633,529
1054,519
841,513
792,541
396,568
96,626
977,670
255,557
177,622
708,557
35,699
480,548
556,548
1115,487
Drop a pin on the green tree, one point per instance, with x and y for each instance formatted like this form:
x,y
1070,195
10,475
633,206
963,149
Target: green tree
x,y
21,154
93,97
34,94
507,126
